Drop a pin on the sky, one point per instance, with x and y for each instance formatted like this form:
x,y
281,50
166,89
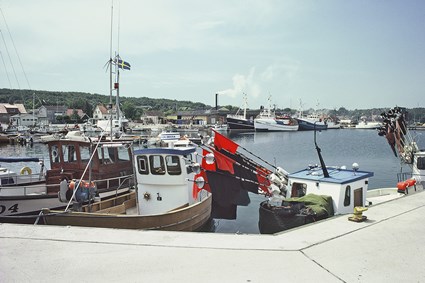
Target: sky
x,y
301,53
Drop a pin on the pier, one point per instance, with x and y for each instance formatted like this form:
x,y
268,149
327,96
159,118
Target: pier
x,y
388,247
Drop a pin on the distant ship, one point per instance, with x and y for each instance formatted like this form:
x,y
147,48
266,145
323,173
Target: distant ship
x,y
240,121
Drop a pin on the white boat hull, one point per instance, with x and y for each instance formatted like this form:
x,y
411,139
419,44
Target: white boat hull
x,y
266,124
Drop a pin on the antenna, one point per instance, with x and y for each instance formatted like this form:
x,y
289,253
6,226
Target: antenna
x,y
322,163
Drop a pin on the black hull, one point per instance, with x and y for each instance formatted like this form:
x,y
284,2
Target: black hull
x,y
307,126
240,124
277,220
294,213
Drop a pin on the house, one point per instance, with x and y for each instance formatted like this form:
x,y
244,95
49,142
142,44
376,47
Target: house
x,y
151,117
199,117
24,119
79,112
52,112
8,110
101,112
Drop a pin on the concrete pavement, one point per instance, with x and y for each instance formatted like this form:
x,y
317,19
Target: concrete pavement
x,y
388,247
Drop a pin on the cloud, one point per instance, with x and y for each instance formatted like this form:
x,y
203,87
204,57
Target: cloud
x,y
275,76
243,84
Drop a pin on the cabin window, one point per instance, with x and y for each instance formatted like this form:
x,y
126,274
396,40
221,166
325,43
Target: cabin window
x,y
85,154
7,181
142,162
188,159
107,155
298,189
113,154
421,163
173,165
55,153
347,196
69,153
123,154
156,163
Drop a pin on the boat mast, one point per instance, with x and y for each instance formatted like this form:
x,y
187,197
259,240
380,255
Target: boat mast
x,y
245,105
117,70
110,72
33,110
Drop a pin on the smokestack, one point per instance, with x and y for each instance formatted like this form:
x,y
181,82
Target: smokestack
x,y
216,101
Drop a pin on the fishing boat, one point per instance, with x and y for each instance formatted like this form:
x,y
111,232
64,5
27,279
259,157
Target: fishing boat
x,y
293,199
239,121
267,121
404,146
364,124
310,122
163,198
110,172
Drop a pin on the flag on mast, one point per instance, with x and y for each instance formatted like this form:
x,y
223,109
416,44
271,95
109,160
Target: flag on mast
x,y
122,64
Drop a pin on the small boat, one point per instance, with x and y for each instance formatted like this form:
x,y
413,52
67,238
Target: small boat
x,y
162,200
293,199
9,179
267,121
240,121
332,124
364,124
312,195
169,136
220,127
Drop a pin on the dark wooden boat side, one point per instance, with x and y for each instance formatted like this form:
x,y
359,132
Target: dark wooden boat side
x,y
188,218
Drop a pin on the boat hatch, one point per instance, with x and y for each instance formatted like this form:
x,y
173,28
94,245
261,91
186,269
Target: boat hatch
x,y
298,189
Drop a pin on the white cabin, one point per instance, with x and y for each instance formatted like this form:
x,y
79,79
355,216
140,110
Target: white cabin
x,y
346,187
162,179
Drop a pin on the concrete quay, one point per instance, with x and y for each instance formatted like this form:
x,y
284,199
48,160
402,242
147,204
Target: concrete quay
x,y
388,247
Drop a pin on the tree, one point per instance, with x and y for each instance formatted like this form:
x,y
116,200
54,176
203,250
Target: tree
x,y
74,116
129,110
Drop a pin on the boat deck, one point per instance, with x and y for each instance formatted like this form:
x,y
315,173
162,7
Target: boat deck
x,y
387,247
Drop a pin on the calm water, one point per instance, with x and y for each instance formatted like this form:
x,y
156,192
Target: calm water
x,y
292,151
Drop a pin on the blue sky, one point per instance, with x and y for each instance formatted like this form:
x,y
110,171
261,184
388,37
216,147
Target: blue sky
x,y
330,53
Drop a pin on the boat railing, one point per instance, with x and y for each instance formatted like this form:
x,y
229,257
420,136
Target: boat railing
x,y
115,182
23,190
43,188
403,176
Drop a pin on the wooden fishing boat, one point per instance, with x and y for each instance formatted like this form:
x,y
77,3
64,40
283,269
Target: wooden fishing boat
x,y
162,199
110,171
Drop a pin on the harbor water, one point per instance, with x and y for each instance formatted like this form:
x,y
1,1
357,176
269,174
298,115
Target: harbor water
x,y
292,151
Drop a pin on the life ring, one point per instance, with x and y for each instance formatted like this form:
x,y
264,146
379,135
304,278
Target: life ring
x,y
26,169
